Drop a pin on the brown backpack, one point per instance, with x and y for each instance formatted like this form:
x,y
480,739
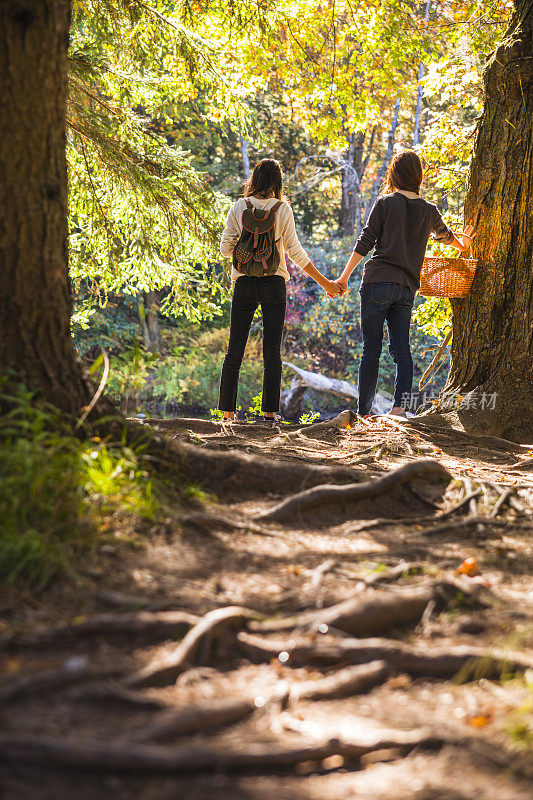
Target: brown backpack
x,y
255,253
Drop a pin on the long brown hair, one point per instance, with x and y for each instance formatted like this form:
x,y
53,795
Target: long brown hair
x,y
266,180
405,172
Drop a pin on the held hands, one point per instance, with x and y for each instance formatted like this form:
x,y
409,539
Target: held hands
x,y
332,289
337,288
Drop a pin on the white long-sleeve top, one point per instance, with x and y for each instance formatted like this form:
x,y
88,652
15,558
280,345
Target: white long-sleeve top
x,y
284,232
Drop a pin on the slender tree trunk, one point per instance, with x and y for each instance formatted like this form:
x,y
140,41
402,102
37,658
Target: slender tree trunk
x,y
35,339
245,158
376,186
149,319
352,176
420,88
492,347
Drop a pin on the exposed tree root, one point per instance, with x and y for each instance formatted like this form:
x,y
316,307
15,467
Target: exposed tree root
x,y
424,469
363,614
447,663
343,420
344,683
491,442
197,719
210,522
475,520
236,473
48,681
134,758
142,623
165,670
114,694
393,573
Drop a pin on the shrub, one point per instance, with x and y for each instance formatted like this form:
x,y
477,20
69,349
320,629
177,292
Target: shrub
x,y
56,492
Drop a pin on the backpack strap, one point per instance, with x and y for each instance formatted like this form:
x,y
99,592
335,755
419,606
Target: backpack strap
x,y
250,205
276,206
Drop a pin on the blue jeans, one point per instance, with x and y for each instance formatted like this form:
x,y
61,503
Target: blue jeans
x,y
380,302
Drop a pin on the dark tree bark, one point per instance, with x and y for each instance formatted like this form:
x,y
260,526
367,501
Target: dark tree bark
x,y
149,320
352,176
492,347
35,339
376,186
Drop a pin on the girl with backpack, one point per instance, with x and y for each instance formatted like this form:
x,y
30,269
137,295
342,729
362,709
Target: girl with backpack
x,y
398,227
259,231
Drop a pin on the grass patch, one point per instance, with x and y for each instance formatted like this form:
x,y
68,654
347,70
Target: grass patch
x,y
59,495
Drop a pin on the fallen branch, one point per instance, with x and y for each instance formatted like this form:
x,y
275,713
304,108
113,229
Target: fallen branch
x,y
425,469
165,670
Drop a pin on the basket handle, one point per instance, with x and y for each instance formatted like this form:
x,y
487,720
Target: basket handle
x,y
457,266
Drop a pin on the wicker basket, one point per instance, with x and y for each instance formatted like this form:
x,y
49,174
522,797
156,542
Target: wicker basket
x,y
447,277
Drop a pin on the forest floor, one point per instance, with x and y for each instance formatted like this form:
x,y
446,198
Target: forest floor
x,y
266,643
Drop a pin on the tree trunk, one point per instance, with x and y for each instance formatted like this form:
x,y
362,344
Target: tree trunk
x,y
376,186
352,176
35,339
245,158
149,318
420,89
492,347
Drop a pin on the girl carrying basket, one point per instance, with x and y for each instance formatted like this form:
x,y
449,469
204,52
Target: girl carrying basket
x,y
398,229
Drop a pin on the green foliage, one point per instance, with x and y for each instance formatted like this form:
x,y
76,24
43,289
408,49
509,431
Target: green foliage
x,y
57,492
254,409
308,419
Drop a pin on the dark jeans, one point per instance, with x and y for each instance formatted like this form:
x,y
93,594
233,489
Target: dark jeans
x,y
379,302
270,293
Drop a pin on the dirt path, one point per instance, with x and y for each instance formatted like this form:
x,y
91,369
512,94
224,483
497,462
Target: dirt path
x,y
284,641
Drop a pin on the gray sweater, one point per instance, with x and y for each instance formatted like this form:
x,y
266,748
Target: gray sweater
x,y
399,228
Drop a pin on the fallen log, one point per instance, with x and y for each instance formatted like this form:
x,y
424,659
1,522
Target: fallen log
x,y
445,663
423,469
321,383
164,671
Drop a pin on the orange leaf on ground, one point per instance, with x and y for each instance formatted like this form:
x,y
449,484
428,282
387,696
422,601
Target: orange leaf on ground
x,y
479,721
468,567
